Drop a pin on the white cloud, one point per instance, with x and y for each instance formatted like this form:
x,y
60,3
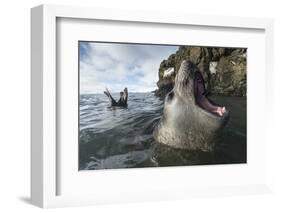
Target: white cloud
x,y
120,65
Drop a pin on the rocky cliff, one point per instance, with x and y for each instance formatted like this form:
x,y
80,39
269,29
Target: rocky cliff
x,y
223,69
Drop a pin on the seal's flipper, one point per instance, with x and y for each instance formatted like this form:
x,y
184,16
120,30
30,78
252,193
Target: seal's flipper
x,y
125,95
123,98
107,93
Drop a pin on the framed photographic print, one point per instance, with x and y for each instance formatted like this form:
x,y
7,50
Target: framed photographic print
x,y
169,122
149,106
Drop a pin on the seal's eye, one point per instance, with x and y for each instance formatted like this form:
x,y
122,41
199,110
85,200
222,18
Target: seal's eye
x,y
170,96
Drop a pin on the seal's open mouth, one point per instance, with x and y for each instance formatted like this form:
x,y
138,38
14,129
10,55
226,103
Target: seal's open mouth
x,y
201,98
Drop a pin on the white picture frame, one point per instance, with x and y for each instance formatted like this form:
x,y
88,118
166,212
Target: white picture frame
x,y
44,83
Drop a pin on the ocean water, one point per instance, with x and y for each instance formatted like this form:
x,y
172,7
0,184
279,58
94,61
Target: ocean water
x,y
113,137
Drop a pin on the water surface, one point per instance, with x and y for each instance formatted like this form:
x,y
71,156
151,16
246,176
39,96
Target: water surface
x,y
122,137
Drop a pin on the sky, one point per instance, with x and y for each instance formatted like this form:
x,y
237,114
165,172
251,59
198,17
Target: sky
x,y
116,66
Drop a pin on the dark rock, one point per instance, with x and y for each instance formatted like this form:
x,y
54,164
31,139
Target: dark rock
x,y
228,77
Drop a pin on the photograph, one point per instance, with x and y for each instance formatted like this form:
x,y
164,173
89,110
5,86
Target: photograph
x,y
158,105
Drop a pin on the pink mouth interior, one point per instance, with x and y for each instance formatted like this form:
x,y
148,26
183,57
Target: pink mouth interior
x,y
202,100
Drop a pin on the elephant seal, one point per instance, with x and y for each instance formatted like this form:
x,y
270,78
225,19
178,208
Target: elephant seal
x,y
190,120
122,102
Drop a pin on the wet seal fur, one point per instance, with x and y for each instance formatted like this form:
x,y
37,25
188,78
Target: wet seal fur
x,y
184,124
123,100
